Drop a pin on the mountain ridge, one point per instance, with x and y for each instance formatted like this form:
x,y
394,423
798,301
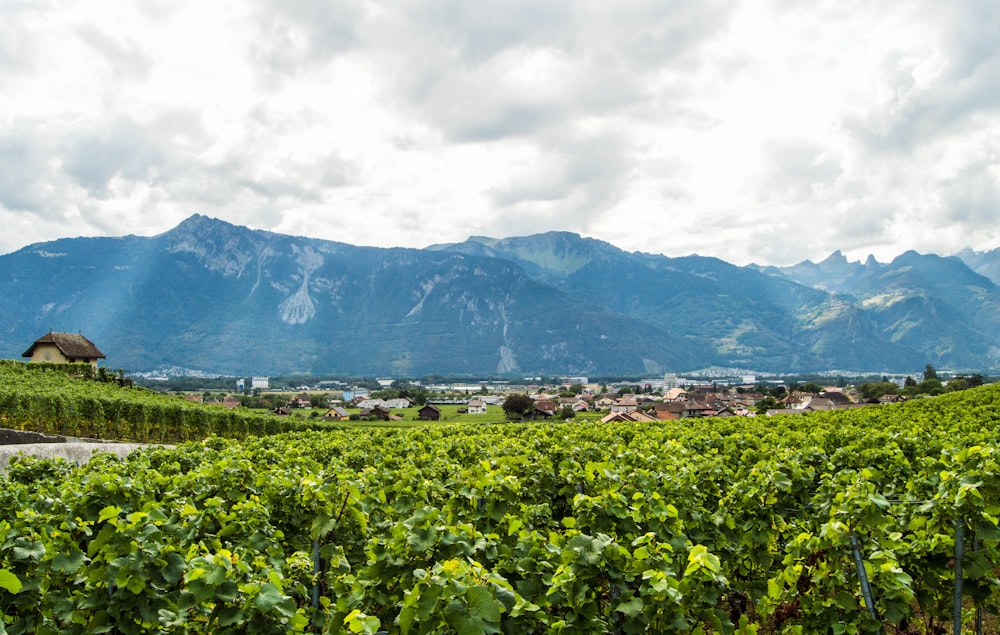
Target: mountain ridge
x,y
211,295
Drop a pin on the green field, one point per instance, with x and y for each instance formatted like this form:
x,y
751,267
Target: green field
x,y
450,415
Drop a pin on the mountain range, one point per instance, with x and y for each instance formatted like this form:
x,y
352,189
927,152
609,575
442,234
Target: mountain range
x,y
215,297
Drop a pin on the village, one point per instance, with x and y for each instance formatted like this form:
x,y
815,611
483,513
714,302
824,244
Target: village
x,y
490,402
623,405
665,398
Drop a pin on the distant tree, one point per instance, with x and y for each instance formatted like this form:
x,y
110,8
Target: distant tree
x,y
974,380
875,389
576,389
516,406
251,401
318,401
625,390
931,386
868,390
812,387
929,372
957,383
567,412
567,394
909,382
421,397
767,403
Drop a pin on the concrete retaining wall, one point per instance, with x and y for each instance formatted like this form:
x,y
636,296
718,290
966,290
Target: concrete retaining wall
x,y
13,442
71,451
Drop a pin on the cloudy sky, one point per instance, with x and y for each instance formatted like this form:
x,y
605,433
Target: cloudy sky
x,y
752,130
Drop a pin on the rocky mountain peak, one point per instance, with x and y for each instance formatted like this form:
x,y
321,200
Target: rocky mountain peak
x,y
219,246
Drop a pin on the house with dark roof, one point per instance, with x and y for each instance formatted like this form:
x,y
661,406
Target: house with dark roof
x,y
668,410
378,412
429,412
546,405
543,409
836,397
540,413
64,348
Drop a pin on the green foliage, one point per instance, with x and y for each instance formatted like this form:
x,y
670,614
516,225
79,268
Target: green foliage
x,y
974,380
957,383
812,388
701,526
932,386
516,406
49,398
566,412
768,403
876,389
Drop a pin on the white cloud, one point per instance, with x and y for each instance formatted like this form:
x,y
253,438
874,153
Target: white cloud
x,y
765,131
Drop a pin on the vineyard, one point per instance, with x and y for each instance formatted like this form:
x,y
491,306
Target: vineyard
x,y
875,520
47,399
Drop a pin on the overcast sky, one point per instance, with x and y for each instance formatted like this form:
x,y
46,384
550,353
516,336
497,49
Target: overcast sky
x,y
753,131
